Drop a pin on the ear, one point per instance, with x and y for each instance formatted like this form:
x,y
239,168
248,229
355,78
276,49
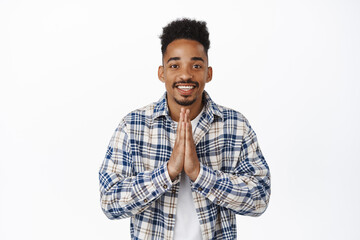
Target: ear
x,y
161,73
209,74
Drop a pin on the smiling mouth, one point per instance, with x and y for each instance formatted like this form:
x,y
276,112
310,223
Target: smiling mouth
x,y
185,87
185,90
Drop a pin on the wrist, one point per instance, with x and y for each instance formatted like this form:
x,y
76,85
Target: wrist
x,y
172,173
194,173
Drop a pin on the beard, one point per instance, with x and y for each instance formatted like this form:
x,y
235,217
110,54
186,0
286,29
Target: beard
x,y
185,102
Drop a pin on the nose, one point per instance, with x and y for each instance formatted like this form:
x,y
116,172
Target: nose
x,y
185,74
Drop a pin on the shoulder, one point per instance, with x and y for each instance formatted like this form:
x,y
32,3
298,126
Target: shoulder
x,y
234,121
232,116
143,117
139,116
228,116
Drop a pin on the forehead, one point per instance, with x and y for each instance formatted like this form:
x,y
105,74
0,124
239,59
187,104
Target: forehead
x,y
185,48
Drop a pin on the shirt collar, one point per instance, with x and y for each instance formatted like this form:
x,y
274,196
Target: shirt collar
x,y
211,108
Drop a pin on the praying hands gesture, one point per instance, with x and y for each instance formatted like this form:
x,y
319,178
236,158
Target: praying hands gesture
x,y
184,155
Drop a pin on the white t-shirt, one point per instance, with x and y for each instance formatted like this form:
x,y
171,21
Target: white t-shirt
x,y
187,225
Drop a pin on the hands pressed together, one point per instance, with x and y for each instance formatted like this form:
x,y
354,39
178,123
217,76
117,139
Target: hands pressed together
x,y
184,155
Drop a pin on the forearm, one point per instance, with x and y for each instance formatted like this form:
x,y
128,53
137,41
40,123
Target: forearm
x,y
244,194
123,197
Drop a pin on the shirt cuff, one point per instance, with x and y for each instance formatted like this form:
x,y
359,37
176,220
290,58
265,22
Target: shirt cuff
x,y
161,178
205,181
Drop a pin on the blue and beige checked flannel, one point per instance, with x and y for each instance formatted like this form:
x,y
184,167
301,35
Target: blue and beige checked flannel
x,y
134,181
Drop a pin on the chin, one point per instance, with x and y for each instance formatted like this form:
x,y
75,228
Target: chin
x,y
185,102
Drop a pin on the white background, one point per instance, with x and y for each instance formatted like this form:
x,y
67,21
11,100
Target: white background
x,y
70,70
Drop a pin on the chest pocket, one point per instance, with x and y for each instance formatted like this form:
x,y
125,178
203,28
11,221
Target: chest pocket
x,y
218,153
156,147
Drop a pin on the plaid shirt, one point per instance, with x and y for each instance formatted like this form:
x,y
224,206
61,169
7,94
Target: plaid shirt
x,y
234,177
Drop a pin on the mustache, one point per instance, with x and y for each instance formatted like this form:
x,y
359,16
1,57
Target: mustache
x,y
185,82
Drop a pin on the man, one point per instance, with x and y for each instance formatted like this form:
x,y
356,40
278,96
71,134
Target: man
x,y
182,167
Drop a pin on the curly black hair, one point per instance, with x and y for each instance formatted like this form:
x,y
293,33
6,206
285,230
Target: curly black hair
x,y
185,29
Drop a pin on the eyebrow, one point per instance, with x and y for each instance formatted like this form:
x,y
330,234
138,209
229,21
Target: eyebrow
x,y
193,59
173,59
197,59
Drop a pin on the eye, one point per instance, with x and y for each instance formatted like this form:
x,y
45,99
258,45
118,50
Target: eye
x,y
174,66
197,66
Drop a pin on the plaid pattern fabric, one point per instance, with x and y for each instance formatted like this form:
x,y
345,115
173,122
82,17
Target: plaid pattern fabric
x,y
134,181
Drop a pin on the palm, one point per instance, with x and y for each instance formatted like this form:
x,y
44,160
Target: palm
x,y
184,155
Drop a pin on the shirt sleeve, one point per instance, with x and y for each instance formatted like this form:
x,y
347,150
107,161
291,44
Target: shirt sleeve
x,y
123,194
246,190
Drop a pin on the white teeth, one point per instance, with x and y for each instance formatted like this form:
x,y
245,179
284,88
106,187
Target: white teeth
x,y
185,87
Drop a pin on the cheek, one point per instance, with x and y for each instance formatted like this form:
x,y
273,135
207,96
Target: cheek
x,y
202,79
169,77
201,75
168,85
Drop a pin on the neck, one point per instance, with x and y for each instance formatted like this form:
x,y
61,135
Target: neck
x,y
195,109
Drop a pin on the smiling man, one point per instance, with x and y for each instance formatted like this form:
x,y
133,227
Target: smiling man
x,y
182,167
185,72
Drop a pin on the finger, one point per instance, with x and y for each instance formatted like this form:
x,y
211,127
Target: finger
x,y
189,137
181,119
187,114
188,125
183,133
188,121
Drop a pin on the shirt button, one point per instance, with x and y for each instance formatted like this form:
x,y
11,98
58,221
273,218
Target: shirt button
x,y
145,200
171,216
200,189
165,186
